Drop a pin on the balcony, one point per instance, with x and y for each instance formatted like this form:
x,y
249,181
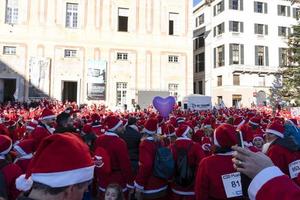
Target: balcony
x,y
254,69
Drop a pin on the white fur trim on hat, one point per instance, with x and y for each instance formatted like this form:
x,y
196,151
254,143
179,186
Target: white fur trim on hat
x,y
65,178
23,184
116,126
274,132
48,117
20,150
30,127
149,132
215,140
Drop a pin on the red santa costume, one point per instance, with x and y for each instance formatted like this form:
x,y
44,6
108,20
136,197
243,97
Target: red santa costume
x,y
119,157
25,150
271,183
249,131
168,132
97,128
195,154
10,171
145,181
216,172
43,130
287,159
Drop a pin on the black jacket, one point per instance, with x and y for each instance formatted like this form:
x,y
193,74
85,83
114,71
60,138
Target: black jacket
x,y
132,138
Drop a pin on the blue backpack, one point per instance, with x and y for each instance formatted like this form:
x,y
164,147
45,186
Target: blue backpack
x,y
292,131
164,164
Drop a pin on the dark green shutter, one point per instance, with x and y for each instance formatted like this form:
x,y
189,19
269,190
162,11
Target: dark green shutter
x,y
265,8
242,27
230,55
267,56
241,4
266,30
256,55
242,53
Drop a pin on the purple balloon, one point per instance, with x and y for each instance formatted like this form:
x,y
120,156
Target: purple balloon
x,y
164,105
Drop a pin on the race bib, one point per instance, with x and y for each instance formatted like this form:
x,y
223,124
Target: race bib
x,y
232,184
294,168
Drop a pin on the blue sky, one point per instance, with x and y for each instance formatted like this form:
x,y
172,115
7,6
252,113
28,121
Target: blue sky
x,y
196,1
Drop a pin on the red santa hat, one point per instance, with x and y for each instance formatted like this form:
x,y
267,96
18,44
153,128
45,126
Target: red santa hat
x,y
225,136
87,128
61,160
95,117
180,120
150,126
258,136
168,130
5,145
25,147
47,114
113,123
255,120
31,126
295,122
276,128
182,130
238,121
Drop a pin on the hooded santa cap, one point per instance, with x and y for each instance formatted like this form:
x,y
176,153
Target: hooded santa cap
x,y
225,136
25,148
61,160
276,128
47,114
113,123
31,126
182,130
255,121
5,145
150,126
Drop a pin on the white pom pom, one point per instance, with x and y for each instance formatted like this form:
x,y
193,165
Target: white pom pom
x,y
23,184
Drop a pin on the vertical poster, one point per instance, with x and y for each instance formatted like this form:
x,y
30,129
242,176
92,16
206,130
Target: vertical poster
x,y
96,79
39,77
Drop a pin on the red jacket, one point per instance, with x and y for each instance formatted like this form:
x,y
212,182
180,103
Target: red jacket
x,y
119,160
282,157
249,132
39,133
195,155
11,172
209,183
144,179
271,183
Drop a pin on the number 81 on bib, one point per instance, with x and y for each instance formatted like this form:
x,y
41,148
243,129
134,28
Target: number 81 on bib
x,y
232,184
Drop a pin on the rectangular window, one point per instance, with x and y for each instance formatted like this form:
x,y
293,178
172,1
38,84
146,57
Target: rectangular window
x,y
284,31
219,8
235,54
173,23
234,4
236,79
220,100
200,20
72,15
11,12
261,29
296,13
121,93
70,53
123,19
220,56
9,50
220,28
194,87
283,56
236,100
283,10
259,54
173,59
260,7
122,56
200,87
173,89
235,26
220,81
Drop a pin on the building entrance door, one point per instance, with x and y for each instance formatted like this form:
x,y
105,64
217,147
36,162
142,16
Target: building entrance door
x,y
7,89
69,91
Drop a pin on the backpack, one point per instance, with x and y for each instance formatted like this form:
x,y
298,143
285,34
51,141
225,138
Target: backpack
x,y
163,163
184,173
3,191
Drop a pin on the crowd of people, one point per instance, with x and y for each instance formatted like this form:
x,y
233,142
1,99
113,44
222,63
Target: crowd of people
x,y
52,150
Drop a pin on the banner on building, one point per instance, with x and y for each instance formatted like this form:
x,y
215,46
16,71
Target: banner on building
x,y
96,79
39,77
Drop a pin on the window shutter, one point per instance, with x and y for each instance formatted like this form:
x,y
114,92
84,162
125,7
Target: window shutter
x,y
256,55
242,53
265,8
215,57
214,10
242,27
267,55
255,28
288,11
294,13
280,57
230,4
241,4
223,27
289,31
222,6
230,26
278,9
230,55
279,31
266,30
214,31
223,54
255,6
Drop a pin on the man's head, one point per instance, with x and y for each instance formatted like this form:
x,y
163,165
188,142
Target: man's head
x,y
47,117
114,124
61,168
64,120
274,130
